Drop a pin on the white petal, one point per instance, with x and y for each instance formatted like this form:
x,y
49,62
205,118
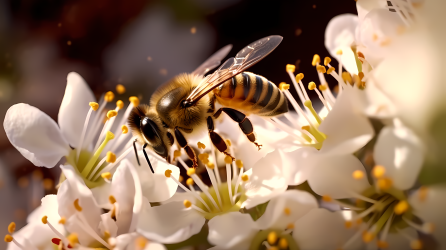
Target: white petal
x,y
266,180
297,164
398,241
364,7
35,135
400,151
33,235
340,35
333,176
346,128
101,194
169,223
108,224
298,202
74,108
154,246
180,196
321,229
228,230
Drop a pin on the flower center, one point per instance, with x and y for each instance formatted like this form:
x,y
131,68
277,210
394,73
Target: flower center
x,y
273,240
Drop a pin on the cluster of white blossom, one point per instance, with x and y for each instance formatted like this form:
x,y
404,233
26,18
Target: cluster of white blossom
x,y
365,172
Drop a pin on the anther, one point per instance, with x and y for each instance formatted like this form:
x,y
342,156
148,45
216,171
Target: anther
x,y
120,89
422,193
141,242
327,60
109,96
272,238
299,76
203,156
120,104
316,60
284,86
290,68
290,226
107,234
124,129
201,145
384,183
339,52
168,173
330,70
228,159
190,182
322,87
378,171
180,178
134,100
106,175
45,219
111,113
416,244
8,238
311,86
361,74
112,199
327,198
94,105
176,153
321,69
187,203
190,171
287,211
11,227
245,177
109,136
62,220
367,237
210,165
401,207
347,77
283,243
228,142
382,244
358,174
239,163
76,206
348,224
111,157
73,239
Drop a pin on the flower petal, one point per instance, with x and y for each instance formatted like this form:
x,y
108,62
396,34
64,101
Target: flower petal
x,y
35,135
228,230
297,165
286,209
398,241
400,151
74,108
169,223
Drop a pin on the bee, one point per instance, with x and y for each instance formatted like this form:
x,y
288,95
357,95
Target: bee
x,y
185,105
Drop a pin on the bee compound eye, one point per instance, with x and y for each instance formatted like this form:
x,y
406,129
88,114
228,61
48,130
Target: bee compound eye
x,y
148,129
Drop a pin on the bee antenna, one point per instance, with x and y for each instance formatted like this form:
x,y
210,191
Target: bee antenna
x,y
136,153
147,158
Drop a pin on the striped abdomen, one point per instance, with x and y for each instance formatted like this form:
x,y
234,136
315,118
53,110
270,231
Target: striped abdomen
x,y
252,94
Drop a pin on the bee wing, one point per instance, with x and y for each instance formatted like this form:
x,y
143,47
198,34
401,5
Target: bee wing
x,y
244,59
213,61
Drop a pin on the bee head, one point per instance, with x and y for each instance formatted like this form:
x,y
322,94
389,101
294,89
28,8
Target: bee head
x,y
147,126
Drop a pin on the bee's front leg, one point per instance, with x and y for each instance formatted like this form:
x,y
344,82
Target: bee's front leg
x,y
216,139
183,144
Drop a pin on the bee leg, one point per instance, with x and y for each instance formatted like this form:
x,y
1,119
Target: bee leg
x,y
136,152
216,139
243,122
147,158
183,144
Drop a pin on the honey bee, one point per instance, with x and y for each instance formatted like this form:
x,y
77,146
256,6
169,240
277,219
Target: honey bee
x,y
186,104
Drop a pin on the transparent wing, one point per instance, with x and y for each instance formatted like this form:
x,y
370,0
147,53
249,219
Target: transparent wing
x,y
244,59
213,61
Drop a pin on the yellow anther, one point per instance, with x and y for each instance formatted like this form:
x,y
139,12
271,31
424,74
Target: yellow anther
x,y
112,113
44,219
187,204
401,207
62,220
416,244
134,100
73,239
106,175
316,60
311,85
290,226
11,227
94,105
382,244
378,171
322,87
205,160
327,198
168,173
180,179
284,86
201,145
106,234
367,237
77,206
109,96
176,153
283,243
110,157
358,174
347,77
210,165
190,171
306,127
239,163
290,68
339,52
327,60
300,75
124,129
141,242
228,142
356,79
8,238
321,69
120,89
422,193
120,104
330,70
245,177
190,182
112,199
348,224
203,156
384,183
109,135
287,211
228,159
272,238
361,75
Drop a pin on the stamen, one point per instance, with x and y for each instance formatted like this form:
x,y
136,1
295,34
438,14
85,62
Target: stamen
x,y
214,160
283,243
316,60
93,107
237,183
415,244
201,145
11,227
245,178
109,136
9,238
111,166
321,69
190,182
401,207
120,89
109,96
294,80
384,183
312,86
228,161
124,129
62,220
358,174
187,204
272,238
287,211
309,105
427,228
327,60
285,128
73,239
61,236
385,231
347,77
83,223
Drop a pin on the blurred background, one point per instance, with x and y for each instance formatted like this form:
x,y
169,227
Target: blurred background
x,y
139,44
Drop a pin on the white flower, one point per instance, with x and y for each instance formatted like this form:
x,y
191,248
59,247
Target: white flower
x,y
36,235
